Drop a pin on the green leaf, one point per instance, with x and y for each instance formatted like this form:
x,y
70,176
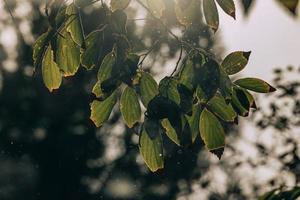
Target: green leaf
x,y
168,88
157,7
228,7
148,88
170,131
104,72
250,98
162,107
235,62
220,108
97,89
208,78
152,127
187,74
106,67
194,121
39,49
291,5
211,131
211,14
67,54
93,49
186,11
186,98
119,4
118,22
178,130
74,24
152,151
130,107
226,85
101,110
202,98
240,102
129,68
255,84
51,73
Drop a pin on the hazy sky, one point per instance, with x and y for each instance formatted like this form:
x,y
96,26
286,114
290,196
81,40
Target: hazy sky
x,y
270,32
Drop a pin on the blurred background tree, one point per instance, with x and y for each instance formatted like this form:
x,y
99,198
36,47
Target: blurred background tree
x,y
50,150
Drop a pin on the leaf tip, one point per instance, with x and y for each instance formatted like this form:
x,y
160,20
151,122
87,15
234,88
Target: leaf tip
x,y
218,152
272,89
247,54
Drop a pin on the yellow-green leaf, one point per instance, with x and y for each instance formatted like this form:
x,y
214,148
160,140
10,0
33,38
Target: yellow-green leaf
x,y
168,88
152,151
186,11
228,7
39,49
255,84
211,14
240,102
93,49
50,71
220,108
157,7
235,62
211,131
101,110
130,107
97,89
170,131
74,24
187,74
194,121
148,88
67,54
119,4
104,72
226,85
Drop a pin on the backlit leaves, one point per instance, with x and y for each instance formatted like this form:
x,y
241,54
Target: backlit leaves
x,y
50,71
67,54
235,62
73,24
104,72
101,110
93,49
220,108
39,49
148,88
211,131
151,151
130,107
196,101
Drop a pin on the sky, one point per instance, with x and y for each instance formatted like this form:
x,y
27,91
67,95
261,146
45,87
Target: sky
x,y
271,33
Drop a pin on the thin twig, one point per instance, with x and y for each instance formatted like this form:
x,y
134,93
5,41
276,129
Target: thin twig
x,y
178,61
182,42
147,53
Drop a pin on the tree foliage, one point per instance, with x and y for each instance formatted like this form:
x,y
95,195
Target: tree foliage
x,y
198,98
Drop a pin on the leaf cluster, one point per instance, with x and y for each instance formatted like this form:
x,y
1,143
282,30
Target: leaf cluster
x,y
197,99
